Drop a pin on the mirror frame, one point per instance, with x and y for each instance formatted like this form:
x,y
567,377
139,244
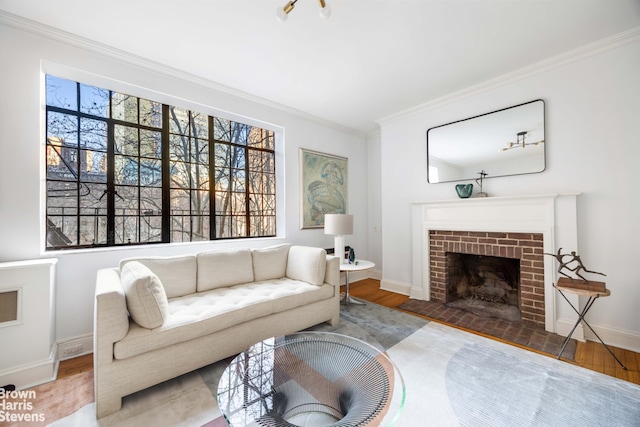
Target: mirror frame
x,y
511,128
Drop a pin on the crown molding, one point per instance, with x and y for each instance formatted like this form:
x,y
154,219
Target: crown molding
x,y
557,61
65,37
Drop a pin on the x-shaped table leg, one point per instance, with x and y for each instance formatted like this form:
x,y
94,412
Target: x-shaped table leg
x,y
581,318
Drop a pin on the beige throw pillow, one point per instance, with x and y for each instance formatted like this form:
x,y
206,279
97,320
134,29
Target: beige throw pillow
x,y
223,268
146,299
270,263
307,264
176,273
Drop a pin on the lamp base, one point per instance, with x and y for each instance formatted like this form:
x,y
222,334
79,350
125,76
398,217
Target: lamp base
x,y
338,248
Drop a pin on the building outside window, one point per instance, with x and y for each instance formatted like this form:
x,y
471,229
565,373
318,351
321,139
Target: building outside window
x,y
124,170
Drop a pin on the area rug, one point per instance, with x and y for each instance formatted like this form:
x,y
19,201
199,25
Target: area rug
x,y
452,378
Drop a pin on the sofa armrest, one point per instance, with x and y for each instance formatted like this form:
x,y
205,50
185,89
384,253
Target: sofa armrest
x,y
111,320
110,325
332,271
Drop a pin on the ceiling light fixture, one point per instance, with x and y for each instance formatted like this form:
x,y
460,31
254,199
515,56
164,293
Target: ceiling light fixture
x,y
520,142
283,12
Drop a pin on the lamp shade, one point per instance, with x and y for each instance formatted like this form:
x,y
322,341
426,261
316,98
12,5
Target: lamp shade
x,y
338,224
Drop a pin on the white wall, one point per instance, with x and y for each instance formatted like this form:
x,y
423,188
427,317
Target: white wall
x,y
374,252
28,52
593,146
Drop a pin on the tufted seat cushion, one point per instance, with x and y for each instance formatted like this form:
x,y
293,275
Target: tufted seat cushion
x,y
202,313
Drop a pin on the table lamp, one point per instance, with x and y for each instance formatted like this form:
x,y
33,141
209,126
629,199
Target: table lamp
x,y
338,225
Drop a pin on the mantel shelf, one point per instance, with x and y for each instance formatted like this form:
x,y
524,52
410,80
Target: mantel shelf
x,y
491,199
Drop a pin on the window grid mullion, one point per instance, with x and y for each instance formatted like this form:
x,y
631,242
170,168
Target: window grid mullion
x,y
166,177
111,186
139,189
77,165
247,194
212,187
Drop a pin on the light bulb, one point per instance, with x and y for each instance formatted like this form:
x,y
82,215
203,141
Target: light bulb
x,y
281,15
325,12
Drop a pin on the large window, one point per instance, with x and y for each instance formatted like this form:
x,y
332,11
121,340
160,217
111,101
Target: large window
x,y
125,170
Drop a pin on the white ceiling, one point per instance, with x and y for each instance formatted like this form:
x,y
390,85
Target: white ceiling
x,y
369,60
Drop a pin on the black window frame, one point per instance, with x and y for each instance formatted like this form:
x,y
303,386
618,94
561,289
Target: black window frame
x,y
74,176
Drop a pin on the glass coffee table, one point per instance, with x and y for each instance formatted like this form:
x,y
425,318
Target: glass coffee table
x,y
311,379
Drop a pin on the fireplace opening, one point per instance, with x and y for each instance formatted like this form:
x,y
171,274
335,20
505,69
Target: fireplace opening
x,y
525,248
488,286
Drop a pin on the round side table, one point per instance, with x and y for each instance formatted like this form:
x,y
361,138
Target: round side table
x,y
357,265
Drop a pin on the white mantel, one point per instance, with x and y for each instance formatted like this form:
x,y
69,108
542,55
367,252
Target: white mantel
x,y
552,215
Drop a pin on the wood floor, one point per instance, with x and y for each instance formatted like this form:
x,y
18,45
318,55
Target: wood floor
x,y
77,365
590,355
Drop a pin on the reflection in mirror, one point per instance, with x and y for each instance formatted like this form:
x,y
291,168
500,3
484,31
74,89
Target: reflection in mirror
x,y
510,141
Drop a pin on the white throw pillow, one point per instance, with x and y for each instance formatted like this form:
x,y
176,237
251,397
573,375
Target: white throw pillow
x,y
270,263
223,268
146,300
307,264
176,273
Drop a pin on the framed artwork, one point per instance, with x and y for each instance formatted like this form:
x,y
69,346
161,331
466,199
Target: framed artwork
x,y
323,184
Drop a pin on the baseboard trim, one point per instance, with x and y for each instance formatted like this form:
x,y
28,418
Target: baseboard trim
x,y
397,287
31,374
621,339
356,276
564,326
74,347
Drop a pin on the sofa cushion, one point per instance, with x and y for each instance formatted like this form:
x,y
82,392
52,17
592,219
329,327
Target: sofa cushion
x,y
177,274
307,264
270,263
222,268
146,300
204,313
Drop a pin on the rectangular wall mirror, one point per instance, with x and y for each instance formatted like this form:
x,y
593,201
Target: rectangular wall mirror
x,y
510,141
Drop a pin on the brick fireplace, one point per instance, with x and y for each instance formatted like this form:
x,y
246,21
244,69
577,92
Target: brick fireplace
x,y
525,247
517,227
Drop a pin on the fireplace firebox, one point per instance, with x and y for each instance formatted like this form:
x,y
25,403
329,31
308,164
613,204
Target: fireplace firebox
x,y
486,285
509,270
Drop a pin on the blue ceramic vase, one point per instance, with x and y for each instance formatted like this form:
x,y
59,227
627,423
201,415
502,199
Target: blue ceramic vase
x,y
464,190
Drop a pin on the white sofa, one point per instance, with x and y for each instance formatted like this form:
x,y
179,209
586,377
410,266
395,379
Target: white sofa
x,y
160,317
